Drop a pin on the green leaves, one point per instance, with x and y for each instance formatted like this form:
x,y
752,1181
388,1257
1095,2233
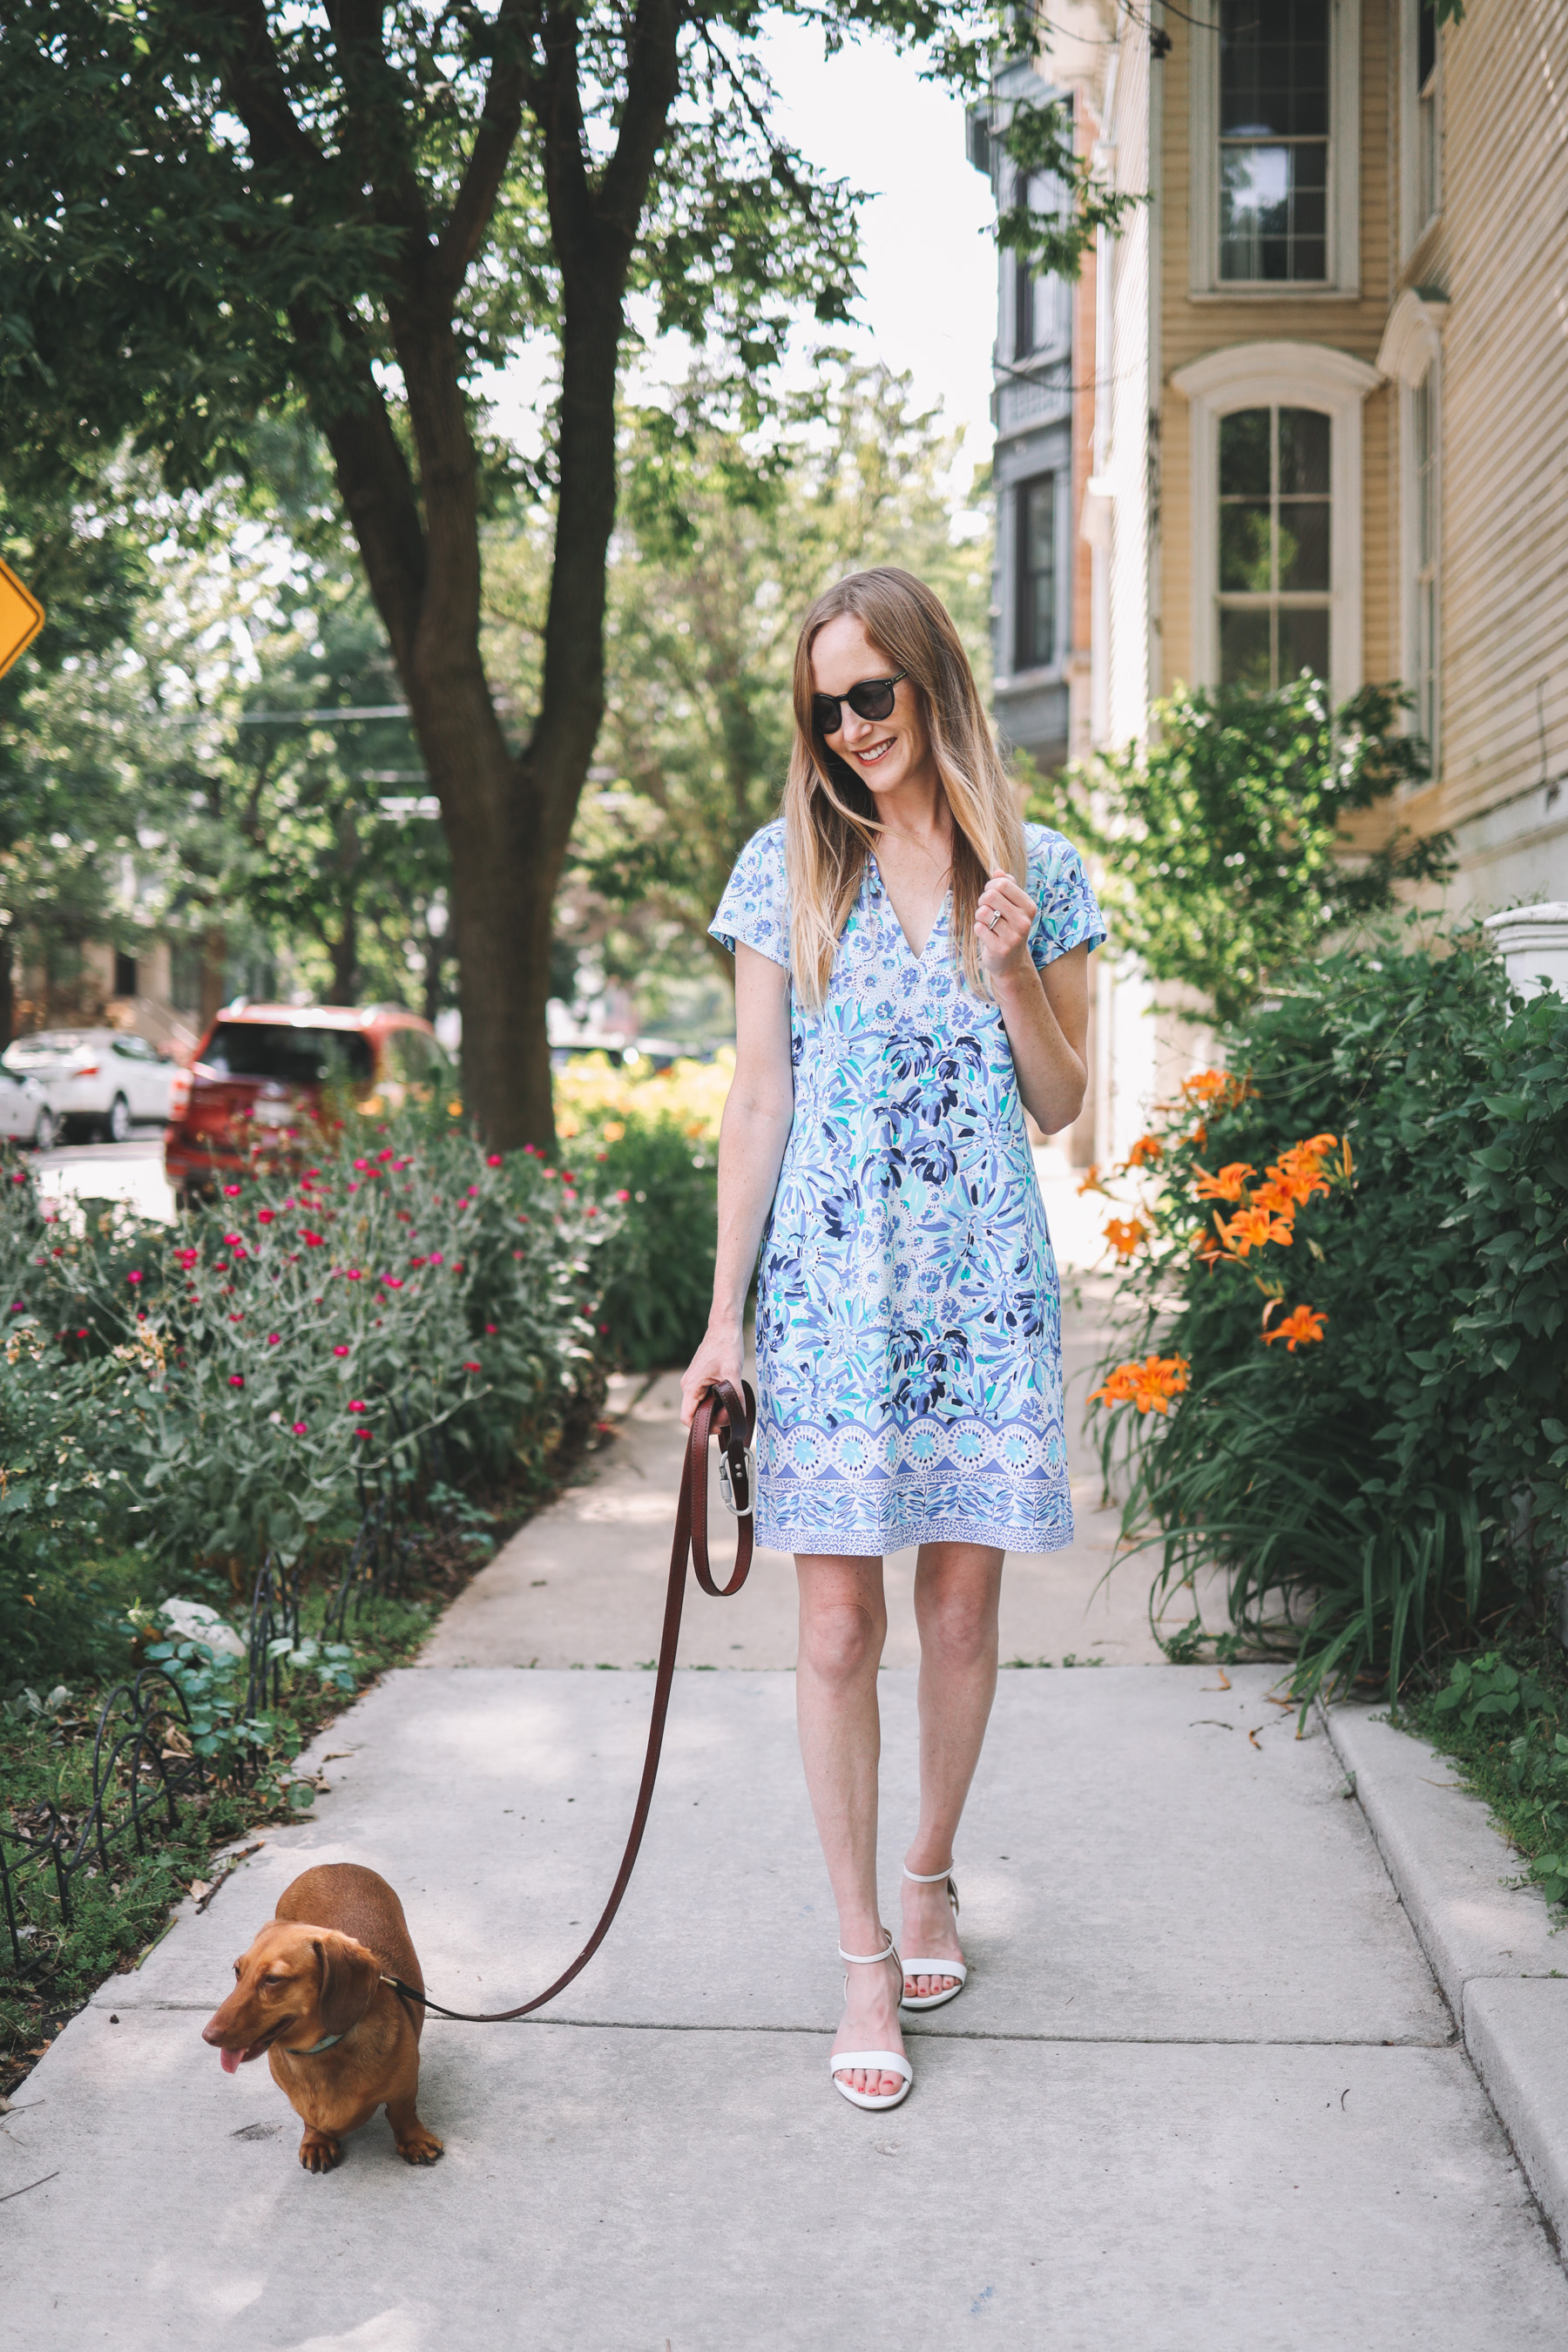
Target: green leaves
x,y
1408,1479
1219,837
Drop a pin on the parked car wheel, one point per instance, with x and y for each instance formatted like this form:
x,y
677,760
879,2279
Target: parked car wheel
x,y
46,1135
117,1126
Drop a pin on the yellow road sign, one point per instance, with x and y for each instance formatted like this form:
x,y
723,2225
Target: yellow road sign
x,y
21,618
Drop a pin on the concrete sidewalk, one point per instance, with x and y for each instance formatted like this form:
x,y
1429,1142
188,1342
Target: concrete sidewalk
x,y
1203,2091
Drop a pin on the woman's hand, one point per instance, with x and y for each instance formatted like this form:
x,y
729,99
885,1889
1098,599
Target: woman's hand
x,y
721,1357
1004,943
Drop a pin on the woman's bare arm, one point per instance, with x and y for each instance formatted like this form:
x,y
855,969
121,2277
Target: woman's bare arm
x,y
1046,1013
751,1139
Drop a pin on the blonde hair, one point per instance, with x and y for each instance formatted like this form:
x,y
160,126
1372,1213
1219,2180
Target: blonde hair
x,y
830,816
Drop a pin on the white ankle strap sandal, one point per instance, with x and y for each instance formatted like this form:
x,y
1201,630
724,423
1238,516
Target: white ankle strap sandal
x,y
920,1968
884,2061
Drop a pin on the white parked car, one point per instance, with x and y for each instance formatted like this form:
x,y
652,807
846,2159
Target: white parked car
x,y
96,1082
24,1113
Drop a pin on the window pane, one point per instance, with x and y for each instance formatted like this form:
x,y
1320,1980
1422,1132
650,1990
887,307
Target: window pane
x,y
1245,555
1244,453
1303,643
1274,68
1036,643
1303,453
300,1057
1244,649
1273,211
1304,543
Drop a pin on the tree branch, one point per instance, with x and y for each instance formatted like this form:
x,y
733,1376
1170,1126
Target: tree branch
x,y
493,141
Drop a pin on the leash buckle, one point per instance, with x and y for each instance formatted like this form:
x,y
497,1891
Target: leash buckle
x,y
737,1481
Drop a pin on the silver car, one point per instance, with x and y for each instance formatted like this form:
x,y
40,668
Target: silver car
x,y
96,1082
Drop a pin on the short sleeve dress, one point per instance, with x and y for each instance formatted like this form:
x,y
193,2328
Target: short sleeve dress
x,y
908,1323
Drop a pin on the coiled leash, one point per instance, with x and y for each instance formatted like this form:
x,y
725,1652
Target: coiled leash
x,y
719,1413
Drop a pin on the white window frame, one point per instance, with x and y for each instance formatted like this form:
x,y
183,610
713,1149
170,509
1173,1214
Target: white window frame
x,y
1413,229
1286,376
1343,224
1411,352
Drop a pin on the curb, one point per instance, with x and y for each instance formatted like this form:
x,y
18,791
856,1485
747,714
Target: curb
x,y
1502,1968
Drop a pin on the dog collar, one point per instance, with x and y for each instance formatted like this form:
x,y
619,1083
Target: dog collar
x,y
316,2049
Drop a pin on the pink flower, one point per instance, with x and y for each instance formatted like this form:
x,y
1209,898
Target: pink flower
x,y
393,1281
471,1367
18,1176
390,1153
134,1275
265,1216
492,1328
362,1164
493,1161
353,1188
362,1432
358,1404
231,1191
237,1380
548,1174
415,1261
274,1338
341,1348
436,1258
567,1177
622,1196
298,1427
187,1258
231,1241
353,1273
313,1241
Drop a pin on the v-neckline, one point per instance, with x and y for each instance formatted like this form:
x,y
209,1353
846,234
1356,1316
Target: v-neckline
x,y
916,956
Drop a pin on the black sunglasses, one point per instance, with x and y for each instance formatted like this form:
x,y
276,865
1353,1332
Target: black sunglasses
x,y
871,698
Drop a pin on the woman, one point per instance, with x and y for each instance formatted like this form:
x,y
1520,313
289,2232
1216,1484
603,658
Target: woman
x,y
910,974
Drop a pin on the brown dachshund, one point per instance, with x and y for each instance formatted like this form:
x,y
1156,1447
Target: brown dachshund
x,y
340,2042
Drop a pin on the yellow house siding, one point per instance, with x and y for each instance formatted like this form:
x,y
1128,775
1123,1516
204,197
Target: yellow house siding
x,y
1190,328
1501,256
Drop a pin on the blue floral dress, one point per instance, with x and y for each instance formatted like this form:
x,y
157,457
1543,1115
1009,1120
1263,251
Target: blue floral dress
x,y
909,1326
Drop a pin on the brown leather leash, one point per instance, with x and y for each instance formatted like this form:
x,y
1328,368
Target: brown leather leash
x,y
719,1413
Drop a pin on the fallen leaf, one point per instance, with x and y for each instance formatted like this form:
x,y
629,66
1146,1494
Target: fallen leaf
x,y
201,1888
1252,1734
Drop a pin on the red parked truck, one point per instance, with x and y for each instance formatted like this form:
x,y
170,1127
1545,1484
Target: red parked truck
x,y
263,1068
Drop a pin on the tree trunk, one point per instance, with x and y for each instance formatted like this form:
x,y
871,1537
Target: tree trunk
x,y
7,992
214,958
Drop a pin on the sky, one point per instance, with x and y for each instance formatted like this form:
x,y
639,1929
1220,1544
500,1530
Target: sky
x,y
928,280
928,284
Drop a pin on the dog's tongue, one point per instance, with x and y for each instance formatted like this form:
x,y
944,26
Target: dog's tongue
x,y
231,2059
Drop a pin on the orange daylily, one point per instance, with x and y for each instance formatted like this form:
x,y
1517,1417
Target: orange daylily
x,y
1230,1184
1147,1152
1280,1198
1304,1325
1205,1086
1150,1385
1091,1183
1125,1234
1251,1228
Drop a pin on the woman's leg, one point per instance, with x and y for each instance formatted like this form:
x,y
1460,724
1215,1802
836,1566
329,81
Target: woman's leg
x,y
957,1589
843,1624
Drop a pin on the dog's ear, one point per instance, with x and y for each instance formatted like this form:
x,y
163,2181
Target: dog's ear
x,y
349,1974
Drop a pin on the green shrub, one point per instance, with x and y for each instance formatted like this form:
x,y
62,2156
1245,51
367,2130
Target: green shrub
x,y
1399,1481
658,1285
1220,837
310,1339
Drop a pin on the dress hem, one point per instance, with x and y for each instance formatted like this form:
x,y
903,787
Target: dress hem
x,y
858,1543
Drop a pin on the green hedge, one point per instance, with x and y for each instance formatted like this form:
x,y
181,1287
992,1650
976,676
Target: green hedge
x,y
1404,1479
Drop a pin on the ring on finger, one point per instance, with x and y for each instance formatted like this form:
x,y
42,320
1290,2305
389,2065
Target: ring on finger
x,y
993,918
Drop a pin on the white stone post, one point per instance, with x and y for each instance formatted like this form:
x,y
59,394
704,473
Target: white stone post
x,y
1533,941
